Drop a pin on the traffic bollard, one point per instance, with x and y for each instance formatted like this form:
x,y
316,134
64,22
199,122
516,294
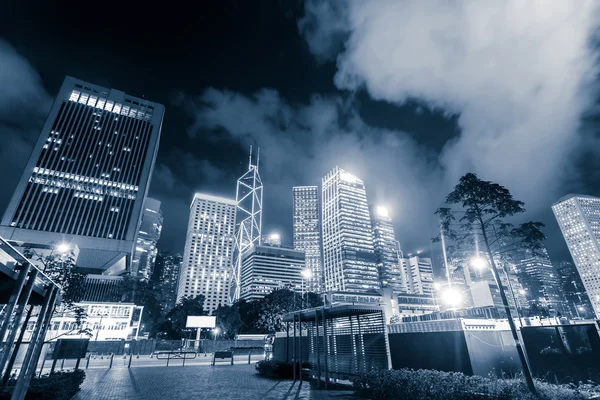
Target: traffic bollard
x,y
249,353
129,366
87,363
111,360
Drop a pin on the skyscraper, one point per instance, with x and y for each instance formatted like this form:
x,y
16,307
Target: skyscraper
x,y
418,275
386,249
348,252
248,228
208,250
579,219
307,231
572,287
166,278
148,236
266,268
541,282
88,175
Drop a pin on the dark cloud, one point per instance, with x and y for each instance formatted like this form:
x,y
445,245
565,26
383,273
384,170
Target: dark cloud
x,y
23,106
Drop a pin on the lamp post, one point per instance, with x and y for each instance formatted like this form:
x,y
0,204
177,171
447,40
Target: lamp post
x,y
215,334
104,314
306,274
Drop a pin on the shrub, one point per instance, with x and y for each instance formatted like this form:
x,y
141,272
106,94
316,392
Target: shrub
x,y
58,386
438,385
277,369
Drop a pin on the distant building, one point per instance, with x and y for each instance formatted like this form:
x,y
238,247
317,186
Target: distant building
x,y
349,262
272,239
386,250
166,278
148,236
266,268
106,321
541,283
307,232
208,252
88,175
104,289
418,273
573,289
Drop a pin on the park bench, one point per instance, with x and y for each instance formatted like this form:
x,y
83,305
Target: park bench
x,y
222,355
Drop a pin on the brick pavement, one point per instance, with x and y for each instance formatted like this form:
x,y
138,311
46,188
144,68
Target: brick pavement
x,y
222,382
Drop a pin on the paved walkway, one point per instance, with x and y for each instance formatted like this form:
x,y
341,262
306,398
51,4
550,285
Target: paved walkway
x,y
222,382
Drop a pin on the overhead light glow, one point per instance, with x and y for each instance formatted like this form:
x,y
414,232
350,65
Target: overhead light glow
x,y
382,211
63,247
478,262
452,297
274,236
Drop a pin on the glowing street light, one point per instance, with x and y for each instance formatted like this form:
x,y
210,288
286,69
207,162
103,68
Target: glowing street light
x,y
451,297
307,273
478,262
63,248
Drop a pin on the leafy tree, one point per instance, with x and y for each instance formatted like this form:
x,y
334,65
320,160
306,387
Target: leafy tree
x,y
143,293
174,325
229,320
61,268
483,205
280,302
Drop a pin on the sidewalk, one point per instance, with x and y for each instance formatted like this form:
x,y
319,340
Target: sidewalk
x,y
222,382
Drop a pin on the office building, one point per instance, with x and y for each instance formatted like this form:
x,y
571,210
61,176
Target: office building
x,y
208,250
417,274
87,178
386,250
579,219
575,294
349,262
147,239
541,283
272,239
266,268
307,232
165,279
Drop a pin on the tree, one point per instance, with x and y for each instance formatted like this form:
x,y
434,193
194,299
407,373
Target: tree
x,y
483,206
280,302
175,321
144,294
61,268
228,320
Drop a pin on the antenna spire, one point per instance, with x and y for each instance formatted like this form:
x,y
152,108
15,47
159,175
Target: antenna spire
x,y
257,157
250,159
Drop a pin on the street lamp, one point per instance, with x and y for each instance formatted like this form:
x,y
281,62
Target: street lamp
x,y
63,248
452,297
478,262
306,274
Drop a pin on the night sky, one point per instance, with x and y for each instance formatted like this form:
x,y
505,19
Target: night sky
x,y
407,96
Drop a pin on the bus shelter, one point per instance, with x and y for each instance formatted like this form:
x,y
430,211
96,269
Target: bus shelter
x,y
343,341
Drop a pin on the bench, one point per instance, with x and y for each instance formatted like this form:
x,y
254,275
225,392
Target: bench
x,y
222,355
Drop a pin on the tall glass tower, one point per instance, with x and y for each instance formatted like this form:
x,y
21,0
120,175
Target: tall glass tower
x,y
386,249
88,175
209,247
349,262
147,239
579,219
307,232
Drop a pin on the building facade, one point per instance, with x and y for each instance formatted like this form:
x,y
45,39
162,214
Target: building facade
x,y
266,268
349,262
208,252
165,279
418,275
386,250
307,232
575,294
88,175
579,219
147,239
541,284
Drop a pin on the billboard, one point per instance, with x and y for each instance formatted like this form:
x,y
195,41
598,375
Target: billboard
x,y
200,321
70,349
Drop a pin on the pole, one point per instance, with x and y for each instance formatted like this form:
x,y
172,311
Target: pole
x,y
13,356
99,327
445,257
294,348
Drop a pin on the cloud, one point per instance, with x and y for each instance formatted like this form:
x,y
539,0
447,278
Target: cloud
x,y
519,75
300,143
24,104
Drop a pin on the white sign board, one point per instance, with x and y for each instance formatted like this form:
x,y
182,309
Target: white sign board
x,y
203,321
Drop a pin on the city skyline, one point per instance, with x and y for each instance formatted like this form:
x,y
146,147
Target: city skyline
x,y
322,120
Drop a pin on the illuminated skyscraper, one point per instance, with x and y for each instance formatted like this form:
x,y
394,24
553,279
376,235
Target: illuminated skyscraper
x,y
418,275
579,219
165,278
349,262
88,175
148,236
307,232
208,250
386,250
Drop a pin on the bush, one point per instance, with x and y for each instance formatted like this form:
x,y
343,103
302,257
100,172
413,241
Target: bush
x,y
58,386
277,369
438,385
